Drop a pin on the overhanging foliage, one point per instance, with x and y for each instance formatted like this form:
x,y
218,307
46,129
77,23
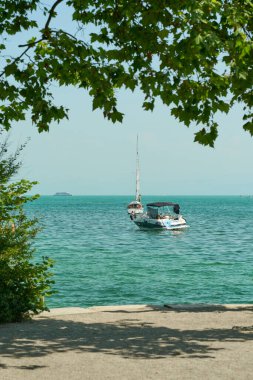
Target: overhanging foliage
x,y
196,56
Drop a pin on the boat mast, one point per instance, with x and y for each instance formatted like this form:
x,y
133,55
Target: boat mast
x,y
137,195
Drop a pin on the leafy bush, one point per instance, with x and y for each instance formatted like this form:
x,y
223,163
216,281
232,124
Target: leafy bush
x,y
23,283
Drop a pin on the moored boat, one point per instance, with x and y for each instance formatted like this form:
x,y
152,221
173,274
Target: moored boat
x,y
161,215
135,207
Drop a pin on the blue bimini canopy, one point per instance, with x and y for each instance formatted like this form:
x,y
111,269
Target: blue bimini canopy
x,y
176,206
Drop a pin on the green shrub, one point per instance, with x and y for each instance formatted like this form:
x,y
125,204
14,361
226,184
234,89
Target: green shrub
x,y
23,282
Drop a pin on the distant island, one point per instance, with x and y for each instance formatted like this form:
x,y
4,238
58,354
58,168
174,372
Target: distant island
x,y
63,193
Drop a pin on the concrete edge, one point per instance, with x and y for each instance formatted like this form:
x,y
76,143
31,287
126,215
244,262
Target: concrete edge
x,y
128,308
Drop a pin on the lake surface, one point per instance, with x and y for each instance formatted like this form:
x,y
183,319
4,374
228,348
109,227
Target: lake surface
x,y
102,258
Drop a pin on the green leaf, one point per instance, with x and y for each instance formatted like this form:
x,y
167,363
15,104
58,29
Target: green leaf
x,y
249,127
10,69
205,137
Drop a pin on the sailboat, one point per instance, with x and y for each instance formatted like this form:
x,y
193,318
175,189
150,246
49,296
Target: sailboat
x,y
135,207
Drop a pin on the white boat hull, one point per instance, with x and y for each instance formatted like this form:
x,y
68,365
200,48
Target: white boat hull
x,y
144,222
135,207
135,211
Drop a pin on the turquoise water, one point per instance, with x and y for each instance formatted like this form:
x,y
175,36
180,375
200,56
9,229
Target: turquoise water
x,y
102,258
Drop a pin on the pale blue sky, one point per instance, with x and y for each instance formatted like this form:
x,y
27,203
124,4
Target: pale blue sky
x,y
89,155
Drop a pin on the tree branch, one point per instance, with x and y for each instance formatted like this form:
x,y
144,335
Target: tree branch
x,y
31,44
46,27
17,59
67,34
51,12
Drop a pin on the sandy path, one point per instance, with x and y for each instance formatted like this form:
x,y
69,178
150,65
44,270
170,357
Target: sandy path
x,y
131,342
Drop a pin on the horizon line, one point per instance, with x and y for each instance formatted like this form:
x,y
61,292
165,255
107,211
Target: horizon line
x,y
144,195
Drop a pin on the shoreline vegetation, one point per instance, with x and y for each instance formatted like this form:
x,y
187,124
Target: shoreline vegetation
x,y
23,282
190,341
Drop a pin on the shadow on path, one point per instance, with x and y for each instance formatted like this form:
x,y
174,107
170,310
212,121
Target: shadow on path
x,y
128,338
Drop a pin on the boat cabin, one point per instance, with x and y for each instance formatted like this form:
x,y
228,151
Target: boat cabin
x,y
135,205
163,210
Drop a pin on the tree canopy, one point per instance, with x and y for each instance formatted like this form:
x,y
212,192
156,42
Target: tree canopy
x,y
196,56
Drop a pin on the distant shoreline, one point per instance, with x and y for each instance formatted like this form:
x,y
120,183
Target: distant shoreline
x,y
150,196
62,194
